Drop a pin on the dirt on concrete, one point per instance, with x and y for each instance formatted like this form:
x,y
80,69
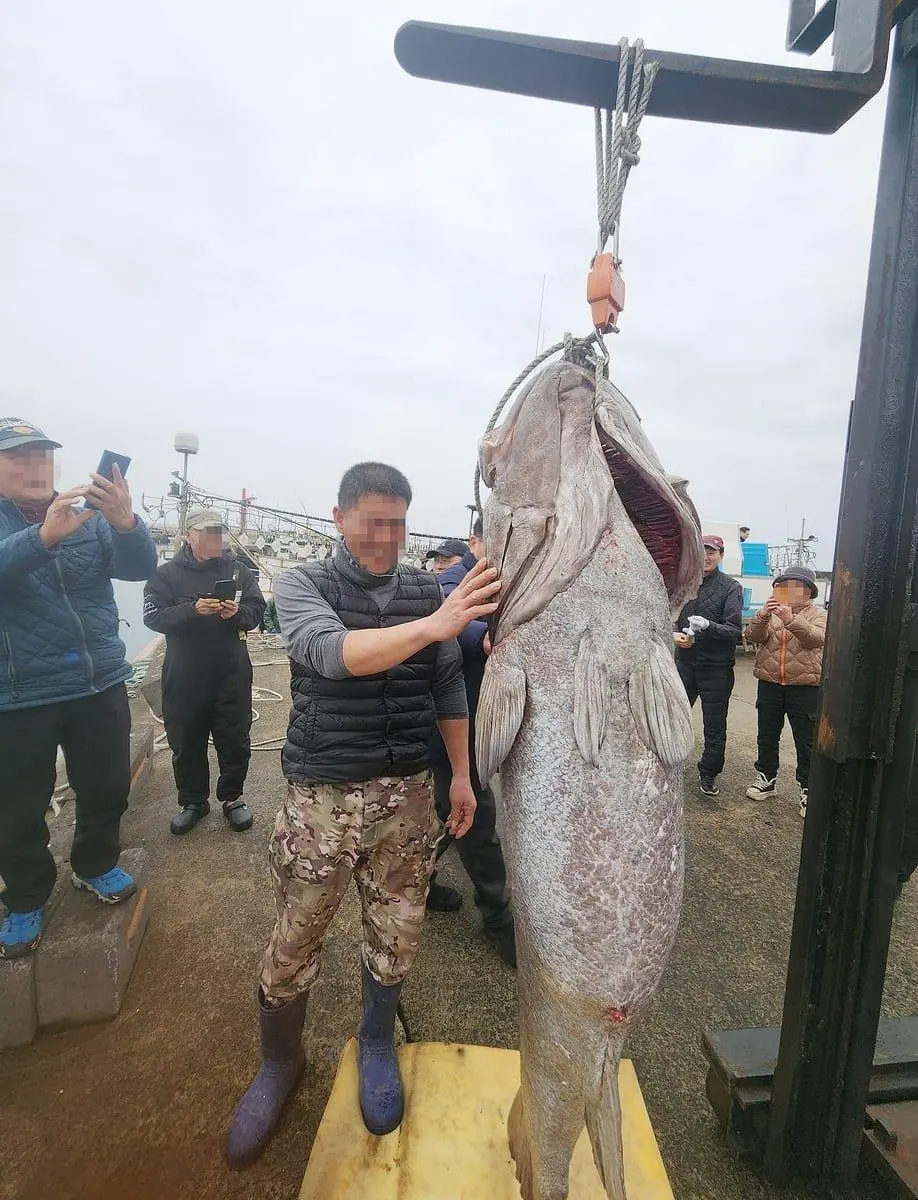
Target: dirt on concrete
x,y
137,1108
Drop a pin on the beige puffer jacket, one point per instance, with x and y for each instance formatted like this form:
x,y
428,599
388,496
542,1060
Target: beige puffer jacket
x,y
791,653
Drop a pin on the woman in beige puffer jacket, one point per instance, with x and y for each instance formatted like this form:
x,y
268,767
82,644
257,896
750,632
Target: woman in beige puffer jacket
x,y
790,631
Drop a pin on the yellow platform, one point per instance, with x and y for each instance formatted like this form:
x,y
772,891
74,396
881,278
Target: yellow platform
x,y
452,1144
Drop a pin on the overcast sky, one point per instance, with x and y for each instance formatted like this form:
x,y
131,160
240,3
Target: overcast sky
x,y
248,221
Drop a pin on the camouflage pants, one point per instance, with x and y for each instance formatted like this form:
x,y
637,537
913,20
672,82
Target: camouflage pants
x,y
384,833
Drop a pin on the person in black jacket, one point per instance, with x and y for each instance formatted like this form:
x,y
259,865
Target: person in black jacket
x,y
706,635
207,673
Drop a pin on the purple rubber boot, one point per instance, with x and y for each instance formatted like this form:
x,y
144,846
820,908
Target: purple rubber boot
x,y
382,1099
259,1110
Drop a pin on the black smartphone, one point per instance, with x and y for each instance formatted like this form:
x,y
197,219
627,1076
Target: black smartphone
x,y
106,462
224,589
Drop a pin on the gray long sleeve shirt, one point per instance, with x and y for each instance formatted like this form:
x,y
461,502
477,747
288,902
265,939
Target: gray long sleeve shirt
x,y
314,634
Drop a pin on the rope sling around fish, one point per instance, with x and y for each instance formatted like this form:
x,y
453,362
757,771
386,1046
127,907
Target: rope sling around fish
x,y
618,149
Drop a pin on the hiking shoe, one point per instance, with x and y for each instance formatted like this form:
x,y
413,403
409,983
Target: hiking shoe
x,y
708,785
762,788
441,898
804,793
238,815
21,932
503,939
111,888
185,820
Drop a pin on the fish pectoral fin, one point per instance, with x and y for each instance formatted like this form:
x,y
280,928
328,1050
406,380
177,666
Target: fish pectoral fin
x,y
591,700
660,707
500,714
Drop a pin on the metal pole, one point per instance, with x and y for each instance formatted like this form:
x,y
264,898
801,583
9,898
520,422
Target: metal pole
x,y
866,725
183,503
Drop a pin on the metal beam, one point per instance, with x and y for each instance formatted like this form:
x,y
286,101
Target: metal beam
x,y
688,87
868,718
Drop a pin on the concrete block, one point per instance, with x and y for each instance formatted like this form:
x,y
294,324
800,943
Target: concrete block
x,y
18,1013
84,964
142,737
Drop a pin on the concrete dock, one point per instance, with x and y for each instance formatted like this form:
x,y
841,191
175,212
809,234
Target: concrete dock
x,y
136,1108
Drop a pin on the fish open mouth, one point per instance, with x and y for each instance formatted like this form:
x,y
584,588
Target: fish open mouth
x,y
651,510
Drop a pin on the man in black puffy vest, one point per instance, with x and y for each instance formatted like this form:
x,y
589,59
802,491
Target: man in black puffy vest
x,y
706,635
374,664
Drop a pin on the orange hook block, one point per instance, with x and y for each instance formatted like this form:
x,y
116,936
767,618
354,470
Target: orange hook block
x,y
605,292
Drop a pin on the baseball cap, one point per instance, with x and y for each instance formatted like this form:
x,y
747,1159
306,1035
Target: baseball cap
x,y
14,432
451,548
800,575
712,542
204,518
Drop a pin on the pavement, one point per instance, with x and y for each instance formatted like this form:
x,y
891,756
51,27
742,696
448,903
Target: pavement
x,y
137,1108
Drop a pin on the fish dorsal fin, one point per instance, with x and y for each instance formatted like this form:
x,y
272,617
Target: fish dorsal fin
x,y
660,707
500,713
591,700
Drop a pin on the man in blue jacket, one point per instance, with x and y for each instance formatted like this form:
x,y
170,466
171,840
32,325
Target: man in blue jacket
x,y
480,850
62,673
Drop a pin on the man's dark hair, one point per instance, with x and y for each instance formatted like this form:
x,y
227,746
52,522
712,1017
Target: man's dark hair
x,y
372,479
478,528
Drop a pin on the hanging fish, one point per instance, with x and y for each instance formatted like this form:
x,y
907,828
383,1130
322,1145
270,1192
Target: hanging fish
x,y
583,712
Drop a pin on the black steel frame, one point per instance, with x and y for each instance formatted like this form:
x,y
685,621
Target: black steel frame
x,y
868,720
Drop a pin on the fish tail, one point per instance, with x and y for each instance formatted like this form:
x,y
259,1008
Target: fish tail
x,y
604,1123
519,1147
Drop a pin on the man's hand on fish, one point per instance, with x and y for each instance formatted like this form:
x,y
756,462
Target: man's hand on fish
x,y
475,597
462,805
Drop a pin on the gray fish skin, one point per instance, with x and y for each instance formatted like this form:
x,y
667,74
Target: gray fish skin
x,y
583,712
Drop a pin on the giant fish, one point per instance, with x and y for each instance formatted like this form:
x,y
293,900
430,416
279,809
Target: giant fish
x,y
583,714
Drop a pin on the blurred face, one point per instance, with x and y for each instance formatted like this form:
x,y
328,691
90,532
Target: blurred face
x,y
374,531
476,545
794,593
27,474
443,561
712,559
206,543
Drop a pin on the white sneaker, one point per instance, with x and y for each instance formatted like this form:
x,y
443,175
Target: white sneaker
x,y
762,788
804,793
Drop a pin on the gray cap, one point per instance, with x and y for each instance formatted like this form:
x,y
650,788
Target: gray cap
x,y
14,432
204,518
799,575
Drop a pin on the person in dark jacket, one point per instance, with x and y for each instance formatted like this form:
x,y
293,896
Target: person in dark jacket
x,y
707,632
374,663
480,850
62,674
207,672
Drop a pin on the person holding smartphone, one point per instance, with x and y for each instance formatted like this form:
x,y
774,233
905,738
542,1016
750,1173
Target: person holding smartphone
x,y
205,602
62,674
790,632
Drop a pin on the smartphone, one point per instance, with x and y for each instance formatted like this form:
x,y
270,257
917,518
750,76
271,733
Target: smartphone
x,y
106,462
224,589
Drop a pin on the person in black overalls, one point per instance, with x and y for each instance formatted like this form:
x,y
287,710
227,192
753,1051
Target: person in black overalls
x,y
207,673
706,656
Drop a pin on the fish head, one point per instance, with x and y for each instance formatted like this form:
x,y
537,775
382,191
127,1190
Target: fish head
x,y
553,467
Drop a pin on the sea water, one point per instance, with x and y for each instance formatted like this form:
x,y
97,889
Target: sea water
x,y
134,634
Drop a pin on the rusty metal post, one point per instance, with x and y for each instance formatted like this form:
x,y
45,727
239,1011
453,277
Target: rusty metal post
x,y
853,834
